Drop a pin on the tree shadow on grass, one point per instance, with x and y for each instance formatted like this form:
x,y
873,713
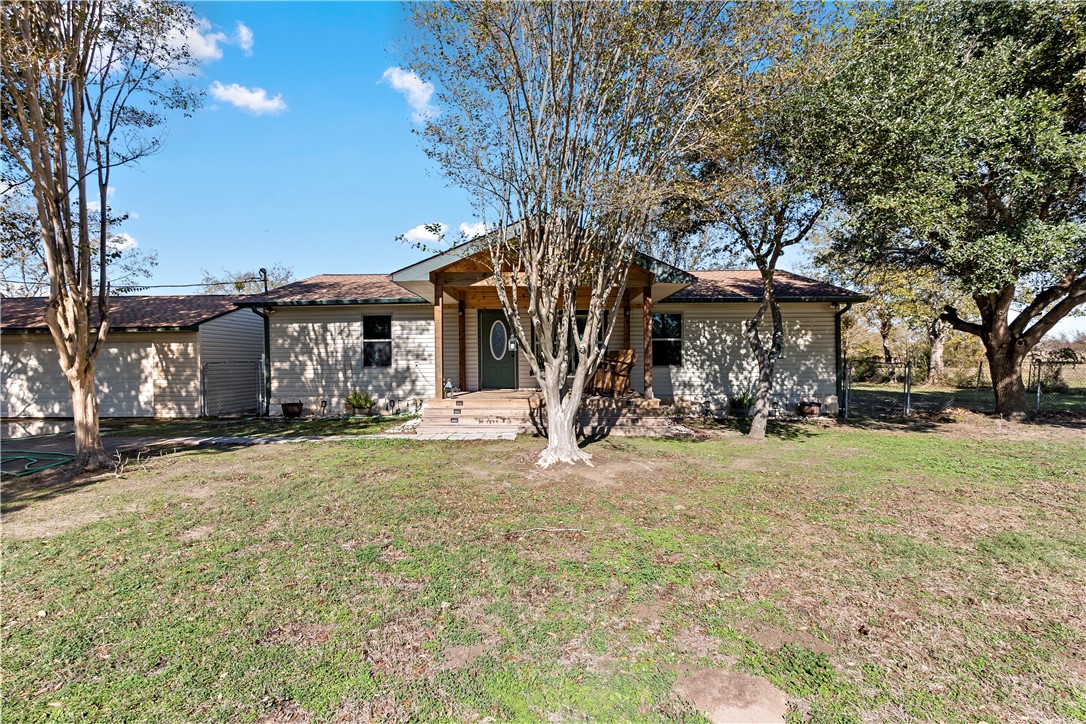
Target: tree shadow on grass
x,y
16,493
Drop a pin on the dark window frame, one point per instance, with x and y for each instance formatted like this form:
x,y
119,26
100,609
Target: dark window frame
x,y
671,341
376,341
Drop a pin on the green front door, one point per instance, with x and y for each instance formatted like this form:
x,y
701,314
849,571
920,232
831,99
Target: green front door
x,y
497,361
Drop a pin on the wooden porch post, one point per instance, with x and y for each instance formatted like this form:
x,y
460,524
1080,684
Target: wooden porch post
x,y
646,306
626,319
439,350
463,351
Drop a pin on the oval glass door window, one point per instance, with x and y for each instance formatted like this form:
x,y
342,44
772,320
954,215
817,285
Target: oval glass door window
x,y
499,340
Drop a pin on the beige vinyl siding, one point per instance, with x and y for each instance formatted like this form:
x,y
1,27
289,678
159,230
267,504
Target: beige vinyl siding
x,y
316,354
177,375
716,361
231,348
137,375
451,342
235,336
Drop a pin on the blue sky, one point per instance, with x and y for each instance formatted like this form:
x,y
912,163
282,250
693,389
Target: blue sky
x,y
322,185
303,154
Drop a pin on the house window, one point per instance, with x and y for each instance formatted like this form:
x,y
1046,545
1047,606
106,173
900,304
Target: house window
x,y
667,340
377,340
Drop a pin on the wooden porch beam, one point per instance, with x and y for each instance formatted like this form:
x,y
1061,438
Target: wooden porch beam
x,y
626,319
461,325
439,351
466,278
646,306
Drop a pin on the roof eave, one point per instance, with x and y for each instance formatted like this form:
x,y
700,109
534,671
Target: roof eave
x,y
722,300
45,330
331,302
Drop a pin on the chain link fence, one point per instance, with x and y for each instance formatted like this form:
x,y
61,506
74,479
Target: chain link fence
x,y
1057,385
232,387
875,388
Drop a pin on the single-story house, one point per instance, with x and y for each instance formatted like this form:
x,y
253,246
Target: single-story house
x,y
401,336
165,356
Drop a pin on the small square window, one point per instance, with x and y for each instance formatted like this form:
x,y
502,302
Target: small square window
x,y
377,340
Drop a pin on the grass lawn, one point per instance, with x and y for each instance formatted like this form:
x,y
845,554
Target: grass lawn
x,y
871,573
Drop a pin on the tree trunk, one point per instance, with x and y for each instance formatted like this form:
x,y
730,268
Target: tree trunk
x,y
938,331
1005,364
765,358
762,395
89,452
561,425
886,326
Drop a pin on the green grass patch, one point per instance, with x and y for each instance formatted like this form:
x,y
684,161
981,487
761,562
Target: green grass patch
x,y
869,574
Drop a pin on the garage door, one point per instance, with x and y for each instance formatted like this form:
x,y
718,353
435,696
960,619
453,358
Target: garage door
x,y
34,386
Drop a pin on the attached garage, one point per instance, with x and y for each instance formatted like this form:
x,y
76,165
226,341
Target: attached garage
x,y
168,356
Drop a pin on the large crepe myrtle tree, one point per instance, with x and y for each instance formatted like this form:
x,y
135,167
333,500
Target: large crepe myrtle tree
x,y
86,88
567,123
959,139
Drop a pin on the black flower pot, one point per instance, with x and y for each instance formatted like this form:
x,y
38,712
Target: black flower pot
x,y
291,410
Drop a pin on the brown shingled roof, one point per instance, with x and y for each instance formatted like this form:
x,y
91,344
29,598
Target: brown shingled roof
x,y
338,289
143,312
736,286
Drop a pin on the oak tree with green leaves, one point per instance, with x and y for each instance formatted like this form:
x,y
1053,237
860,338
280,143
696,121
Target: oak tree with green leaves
x,y
958,138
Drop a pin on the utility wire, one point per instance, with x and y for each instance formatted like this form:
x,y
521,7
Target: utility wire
x,y
140,287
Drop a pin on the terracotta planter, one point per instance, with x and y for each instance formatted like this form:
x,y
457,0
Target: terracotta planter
x,y
810,409
291,410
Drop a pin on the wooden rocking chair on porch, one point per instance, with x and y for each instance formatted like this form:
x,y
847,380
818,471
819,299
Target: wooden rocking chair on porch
x,y
612,378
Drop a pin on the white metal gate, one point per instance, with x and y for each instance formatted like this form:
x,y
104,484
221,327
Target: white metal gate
x,y
232,387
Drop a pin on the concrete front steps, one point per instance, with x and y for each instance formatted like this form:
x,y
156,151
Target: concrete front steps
x,y
474,413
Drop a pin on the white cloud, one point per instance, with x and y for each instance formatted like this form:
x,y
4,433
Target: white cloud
x,y
203,44
122,242
417,92
253,100
244,38
470,231
421,235
94,204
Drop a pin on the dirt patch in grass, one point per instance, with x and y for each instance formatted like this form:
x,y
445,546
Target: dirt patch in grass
x,y
199,532
397,647
728,697
772,638
459,657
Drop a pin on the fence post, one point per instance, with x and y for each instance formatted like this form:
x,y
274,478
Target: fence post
x,y
848,387
908,386
1036,365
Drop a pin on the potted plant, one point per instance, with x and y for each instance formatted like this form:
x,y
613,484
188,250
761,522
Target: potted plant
x,y
741,403
810,408
361,403
291,410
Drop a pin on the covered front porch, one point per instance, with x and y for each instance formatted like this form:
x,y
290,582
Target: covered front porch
x,y
475,345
